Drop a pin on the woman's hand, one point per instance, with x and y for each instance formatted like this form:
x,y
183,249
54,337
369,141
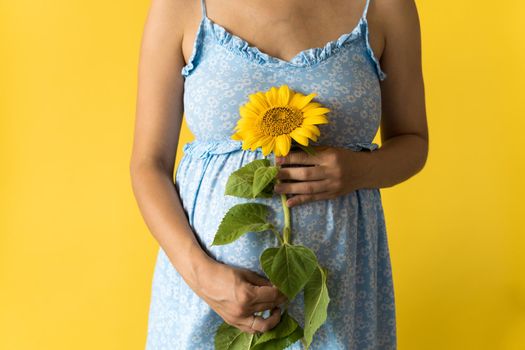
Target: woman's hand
x,y
236,294
331,172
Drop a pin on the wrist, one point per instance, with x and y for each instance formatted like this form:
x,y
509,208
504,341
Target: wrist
x,y
196,266
363,171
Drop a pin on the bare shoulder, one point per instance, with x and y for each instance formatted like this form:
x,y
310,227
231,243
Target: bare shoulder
x,y
400,26
160,83
403,96
396,12
165,26
399,21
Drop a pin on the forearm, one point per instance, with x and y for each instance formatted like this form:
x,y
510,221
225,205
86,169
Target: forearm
x,y
164,215
398,159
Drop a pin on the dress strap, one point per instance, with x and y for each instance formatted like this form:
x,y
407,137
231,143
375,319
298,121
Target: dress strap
x,y
203,8
365,10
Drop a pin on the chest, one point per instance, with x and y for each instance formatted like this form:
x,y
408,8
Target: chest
x,y
283,29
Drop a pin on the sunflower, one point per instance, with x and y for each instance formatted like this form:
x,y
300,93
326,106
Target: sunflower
x,y
273,118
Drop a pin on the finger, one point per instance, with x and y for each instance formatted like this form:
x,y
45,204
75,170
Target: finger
x,y
299,157
269,295
263,325
243,323
256,279
302,173
246,323
304,198
303,187
265,294
266,306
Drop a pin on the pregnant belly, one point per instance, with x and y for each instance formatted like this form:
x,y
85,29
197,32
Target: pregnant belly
x,y
331,228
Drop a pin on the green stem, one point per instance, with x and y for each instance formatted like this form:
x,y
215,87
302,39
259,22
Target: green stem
x,y
286,211
287,229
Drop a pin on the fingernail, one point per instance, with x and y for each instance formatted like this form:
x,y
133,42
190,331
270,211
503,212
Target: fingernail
x,y
279,160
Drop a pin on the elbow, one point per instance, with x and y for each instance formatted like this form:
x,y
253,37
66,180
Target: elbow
x,y
423,154
138,169
134,167
141,167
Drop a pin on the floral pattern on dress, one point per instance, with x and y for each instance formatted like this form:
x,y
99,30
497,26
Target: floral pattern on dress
x,y
347,233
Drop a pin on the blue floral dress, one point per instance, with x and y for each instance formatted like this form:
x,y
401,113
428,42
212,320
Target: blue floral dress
x,y
347,233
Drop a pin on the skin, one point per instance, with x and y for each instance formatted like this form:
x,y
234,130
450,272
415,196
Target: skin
x,y
337,171
167,43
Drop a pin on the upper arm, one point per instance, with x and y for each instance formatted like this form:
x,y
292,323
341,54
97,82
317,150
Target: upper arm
x,y
403,97
160,85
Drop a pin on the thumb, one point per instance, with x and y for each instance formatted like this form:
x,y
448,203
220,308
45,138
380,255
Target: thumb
x,y
256,279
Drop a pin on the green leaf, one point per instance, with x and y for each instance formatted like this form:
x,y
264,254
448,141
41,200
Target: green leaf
x,y
280,337
229,337
290,269
267,260
286,326
262,177
240,182
289,340
282,343
308,149
316,301
240,219
268,192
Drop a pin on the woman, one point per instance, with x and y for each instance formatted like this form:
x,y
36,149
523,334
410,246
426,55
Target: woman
x,y
204,57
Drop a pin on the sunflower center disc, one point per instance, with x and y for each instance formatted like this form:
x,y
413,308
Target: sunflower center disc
x,y
281,120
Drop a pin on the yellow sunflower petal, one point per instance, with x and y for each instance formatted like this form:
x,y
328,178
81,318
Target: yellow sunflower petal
x,y
276,150
246,112
245,146
299,138
304,132
259,102
316,119
311,105
295,99
236,136
316,111
246,123
252,107
312,128
254,132
283,143
265,139
271,96
305,100
251,137
268,145
256,141
237,129
284,95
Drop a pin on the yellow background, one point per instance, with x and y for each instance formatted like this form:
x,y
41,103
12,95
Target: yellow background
x,y
76,259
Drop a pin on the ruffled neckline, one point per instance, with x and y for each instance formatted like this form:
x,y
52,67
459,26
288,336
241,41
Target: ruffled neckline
x,y
308,57
305,58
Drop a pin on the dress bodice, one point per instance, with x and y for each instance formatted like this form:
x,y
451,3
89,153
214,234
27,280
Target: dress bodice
x,y
224,69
